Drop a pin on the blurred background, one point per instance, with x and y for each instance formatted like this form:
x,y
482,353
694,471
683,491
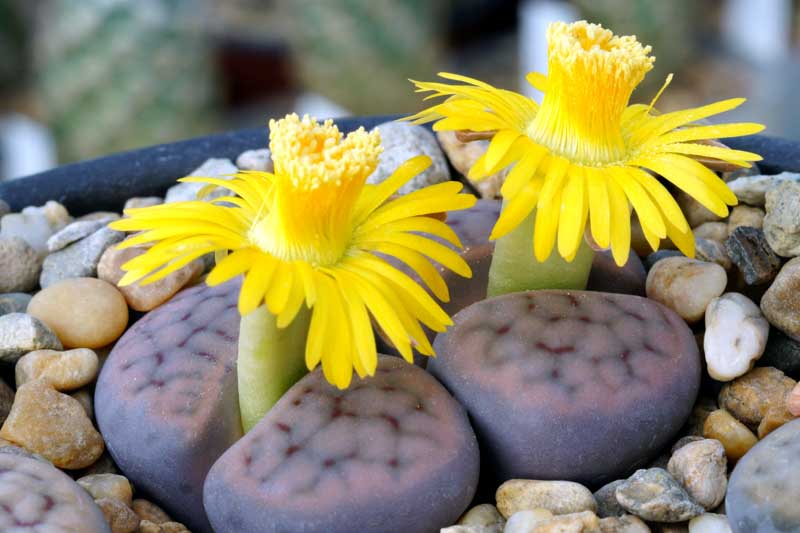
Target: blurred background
x,y
84,78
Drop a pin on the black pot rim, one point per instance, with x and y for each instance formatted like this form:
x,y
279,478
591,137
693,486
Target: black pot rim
x,y
105,183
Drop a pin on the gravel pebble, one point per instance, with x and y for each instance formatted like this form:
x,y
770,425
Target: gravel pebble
x,y
527,520
695,213
119,516
559,497
142,201
74,232
749,250
734,436
66,371
749,397
714,231
35,225
781,303
709,523
52,424
654,495
21,333
147,510
735,337
78,260
402,141
781,223
623,524
14,302
212,168
146,526
752,189
606,498
463,155
702,468
484,514
793,401
686,285
111,486
84,312
19,265
260,159
745,215
712,252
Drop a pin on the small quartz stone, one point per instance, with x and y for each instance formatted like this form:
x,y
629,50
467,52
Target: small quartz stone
x,y
781,303
654,495
583,522
402,141
145,297
745,215
463,156
212,168
66,371
142,201
559,497
35,225
147,510
19,265
527,520
793,401
686,285
260,159
606,498
623,524
146,526
119,516
21,333
14,302
735,337
749,397
483,515
749,250
752,190
734,436
714,231
781,223
52,424
709,523
701,467
75,232
108,486
83,312
79,259
712,252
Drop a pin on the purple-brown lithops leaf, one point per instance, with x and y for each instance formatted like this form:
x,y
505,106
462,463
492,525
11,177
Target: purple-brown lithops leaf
x,y
582,386
35,496
166,400
393,453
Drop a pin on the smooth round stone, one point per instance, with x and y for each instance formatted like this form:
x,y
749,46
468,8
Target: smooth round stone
x,y
581,386
111,486
393,453
19,265
686,285
764,488
735,336
35,496
119,516
166,399
83,312
558,497
66,371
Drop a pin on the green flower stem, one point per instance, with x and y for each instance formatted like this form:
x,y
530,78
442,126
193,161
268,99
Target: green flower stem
x,y
515,269
270,361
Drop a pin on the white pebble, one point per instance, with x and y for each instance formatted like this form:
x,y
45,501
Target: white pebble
x,y
735,337
523,521
709,523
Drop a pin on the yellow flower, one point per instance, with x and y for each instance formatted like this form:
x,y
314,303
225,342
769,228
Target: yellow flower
x,y
313,232
584,152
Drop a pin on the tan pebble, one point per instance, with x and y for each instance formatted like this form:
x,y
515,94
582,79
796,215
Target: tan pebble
x,y
774,418
119,516
558,497
583,522
715,231
111,486
701,467
145,297
52,424
734,436
686,285
793,401
745,215
484,514
84,397
463,155
623,524
66,371
147,510
83,312
146,526
749,397
525,521
695,212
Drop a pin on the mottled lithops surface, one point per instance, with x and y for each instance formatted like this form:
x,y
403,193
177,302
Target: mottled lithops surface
x,y
580,386
35,496
166,398
394,453
764,489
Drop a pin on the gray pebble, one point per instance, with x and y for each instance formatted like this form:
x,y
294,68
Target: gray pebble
x,y
21,333
212,168
654,495
606,498
78,259
143,201
781,223
400,143
752,190
75,232
14,302
260,159
19,265
749,250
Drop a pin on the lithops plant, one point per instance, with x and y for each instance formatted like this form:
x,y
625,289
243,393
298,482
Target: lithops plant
x,y
579,385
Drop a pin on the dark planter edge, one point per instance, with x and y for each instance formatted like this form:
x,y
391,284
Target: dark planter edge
x,y
107,182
